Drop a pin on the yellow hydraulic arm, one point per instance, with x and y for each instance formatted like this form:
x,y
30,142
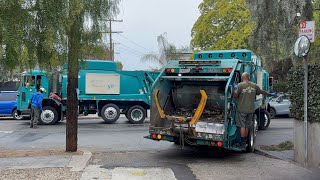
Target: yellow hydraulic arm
x,y
196,115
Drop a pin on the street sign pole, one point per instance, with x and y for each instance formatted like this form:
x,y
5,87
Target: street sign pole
x,y
305,109
301,50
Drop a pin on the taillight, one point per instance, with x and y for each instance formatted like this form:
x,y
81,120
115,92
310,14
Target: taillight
x,y
154,136
219,144
224,70
170,70
229,70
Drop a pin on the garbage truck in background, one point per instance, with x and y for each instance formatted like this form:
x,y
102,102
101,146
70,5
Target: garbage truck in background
x,y
102,89
193,101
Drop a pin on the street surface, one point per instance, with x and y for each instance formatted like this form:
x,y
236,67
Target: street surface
x,y
120,152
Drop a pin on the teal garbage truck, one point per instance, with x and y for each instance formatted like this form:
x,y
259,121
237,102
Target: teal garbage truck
x,y
193,101
102,90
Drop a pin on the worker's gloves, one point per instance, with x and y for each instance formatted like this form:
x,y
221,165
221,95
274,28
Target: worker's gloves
x,y
235,86
273,94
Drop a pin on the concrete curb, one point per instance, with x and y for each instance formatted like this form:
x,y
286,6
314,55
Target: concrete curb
x,y
267,154
79,162
262,152
259,151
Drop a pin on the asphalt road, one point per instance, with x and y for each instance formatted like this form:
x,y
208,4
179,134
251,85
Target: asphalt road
x,y
122,145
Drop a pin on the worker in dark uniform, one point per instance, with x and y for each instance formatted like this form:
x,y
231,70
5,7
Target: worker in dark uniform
x,y
246,92
36,107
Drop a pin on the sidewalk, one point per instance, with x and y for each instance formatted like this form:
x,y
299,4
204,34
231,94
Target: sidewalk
x,y
42,164
280,130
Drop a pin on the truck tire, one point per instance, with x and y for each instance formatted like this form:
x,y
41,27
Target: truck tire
x,y
110,113
251,141
16,115
264,120
136,114
252,135
49,116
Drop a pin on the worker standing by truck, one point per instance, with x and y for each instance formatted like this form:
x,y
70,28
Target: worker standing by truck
x,y
246,92
36,107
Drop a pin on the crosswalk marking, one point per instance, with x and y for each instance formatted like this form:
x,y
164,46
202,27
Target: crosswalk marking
x,y
6,132
120,173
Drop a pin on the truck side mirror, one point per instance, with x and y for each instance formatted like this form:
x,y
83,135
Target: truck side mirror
x,y
271,81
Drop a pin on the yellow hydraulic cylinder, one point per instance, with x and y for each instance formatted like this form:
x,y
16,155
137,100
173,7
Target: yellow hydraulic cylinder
x,y
161,112
200,108
195,117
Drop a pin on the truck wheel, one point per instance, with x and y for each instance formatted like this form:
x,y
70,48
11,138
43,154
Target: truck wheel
x,y
49,116
264,120
136,114
252,134
110,113
16,115
250,141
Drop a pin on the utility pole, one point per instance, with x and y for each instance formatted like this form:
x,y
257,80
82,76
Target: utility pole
x,y
110,32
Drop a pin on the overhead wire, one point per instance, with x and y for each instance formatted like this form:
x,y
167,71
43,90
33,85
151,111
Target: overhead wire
x,y
127,50
121,44
137,44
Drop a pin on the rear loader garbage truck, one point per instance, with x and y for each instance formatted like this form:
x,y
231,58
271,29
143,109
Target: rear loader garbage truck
x,y
102,90
193,101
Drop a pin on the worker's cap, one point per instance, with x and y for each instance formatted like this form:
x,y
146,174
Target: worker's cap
x,y
42,90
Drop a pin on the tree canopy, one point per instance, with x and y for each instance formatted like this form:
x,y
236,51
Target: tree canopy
x,y
50,33
37,31
269,28
223,24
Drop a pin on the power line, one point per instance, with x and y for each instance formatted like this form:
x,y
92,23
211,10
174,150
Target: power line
x,y
130,48
131,51
135,43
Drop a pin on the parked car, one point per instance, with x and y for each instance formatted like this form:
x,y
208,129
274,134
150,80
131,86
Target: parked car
x,y
8,104
279,105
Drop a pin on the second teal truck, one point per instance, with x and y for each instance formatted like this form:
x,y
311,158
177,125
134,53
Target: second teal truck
x,y
193,101
102,90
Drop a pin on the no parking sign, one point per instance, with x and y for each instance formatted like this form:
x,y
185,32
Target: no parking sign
x,y
307,28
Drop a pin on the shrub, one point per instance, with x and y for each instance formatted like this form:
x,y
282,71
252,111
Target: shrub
x,y
280,87
295,89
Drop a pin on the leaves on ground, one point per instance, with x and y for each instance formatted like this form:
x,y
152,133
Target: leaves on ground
x,y
284,146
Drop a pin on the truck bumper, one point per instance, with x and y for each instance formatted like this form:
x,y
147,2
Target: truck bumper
x,y
195,142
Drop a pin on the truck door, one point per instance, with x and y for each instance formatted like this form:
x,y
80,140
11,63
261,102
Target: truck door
x,y
27,88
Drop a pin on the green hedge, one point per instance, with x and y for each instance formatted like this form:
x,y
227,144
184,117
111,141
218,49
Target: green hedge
x,y
295,87
280,87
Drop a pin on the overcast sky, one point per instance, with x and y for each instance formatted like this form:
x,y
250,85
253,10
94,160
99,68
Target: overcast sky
x,y
144,20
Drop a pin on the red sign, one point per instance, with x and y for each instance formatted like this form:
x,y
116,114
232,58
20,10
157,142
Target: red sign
x,y
307,28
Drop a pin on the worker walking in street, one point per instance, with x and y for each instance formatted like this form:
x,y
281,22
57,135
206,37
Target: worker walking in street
x,y
36,107
246,92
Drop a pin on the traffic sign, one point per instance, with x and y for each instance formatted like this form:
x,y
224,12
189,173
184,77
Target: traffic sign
x,y
307,28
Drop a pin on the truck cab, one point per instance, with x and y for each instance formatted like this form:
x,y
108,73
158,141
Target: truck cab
x,y
31,82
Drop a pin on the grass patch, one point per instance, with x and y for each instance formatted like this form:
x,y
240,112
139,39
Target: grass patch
x,y
284,146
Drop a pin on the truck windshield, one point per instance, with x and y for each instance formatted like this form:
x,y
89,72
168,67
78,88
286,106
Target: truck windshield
x,y
28,80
